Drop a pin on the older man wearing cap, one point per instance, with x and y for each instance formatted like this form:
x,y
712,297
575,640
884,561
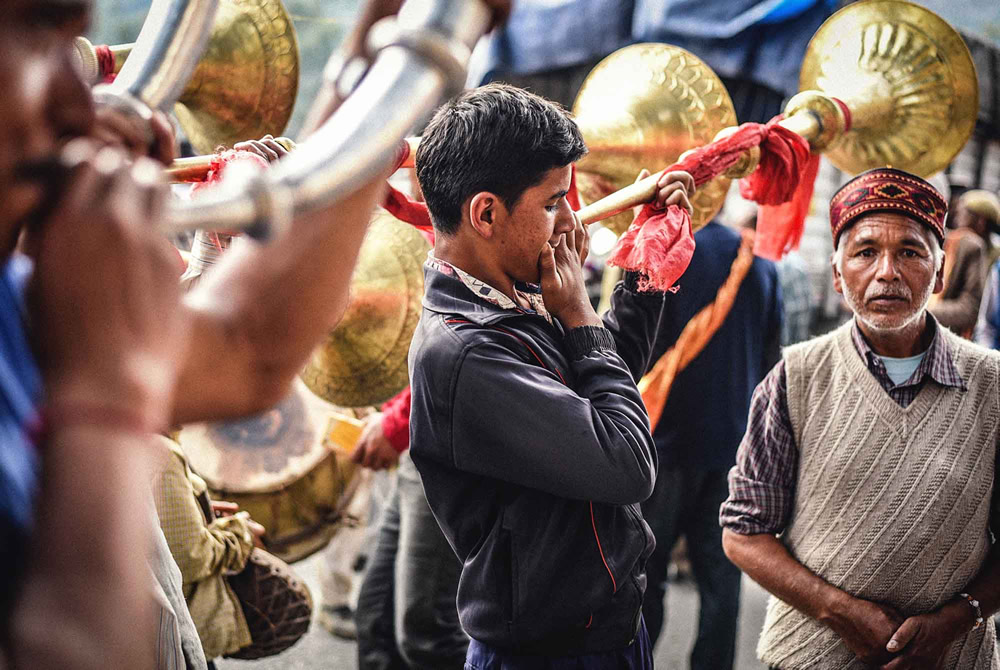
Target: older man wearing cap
x,y
862,497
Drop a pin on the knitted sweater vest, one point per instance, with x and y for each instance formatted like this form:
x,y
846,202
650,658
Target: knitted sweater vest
x,y
892,504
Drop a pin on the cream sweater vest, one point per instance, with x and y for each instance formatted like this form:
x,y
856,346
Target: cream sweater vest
x,y
892,504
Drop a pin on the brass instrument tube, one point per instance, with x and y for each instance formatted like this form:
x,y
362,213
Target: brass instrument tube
x,y
802,123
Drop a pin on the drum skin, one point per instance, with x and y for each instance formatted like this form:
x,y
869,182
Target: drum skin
x,y
279,467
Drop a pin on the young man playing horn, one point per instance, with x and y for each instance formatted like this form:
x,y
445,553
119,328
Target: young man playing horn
x,y
864,494
526,425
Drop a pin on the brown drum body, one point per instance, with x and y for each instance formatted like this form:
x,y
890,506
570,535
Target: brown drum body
x,y
282,467
275,602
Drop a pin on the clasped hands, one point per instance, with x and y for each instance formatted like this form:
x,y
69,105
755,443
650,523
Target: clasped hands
x,y
883,638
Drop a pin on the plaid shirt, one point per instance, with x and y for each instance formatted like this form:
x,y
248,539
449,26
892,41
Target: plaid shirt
x,y
532,293
762,483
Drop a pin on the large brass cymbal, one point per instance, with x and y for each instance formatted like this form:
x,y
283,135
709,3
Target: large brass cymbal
x,y
363,360
245,84
908,79
642,107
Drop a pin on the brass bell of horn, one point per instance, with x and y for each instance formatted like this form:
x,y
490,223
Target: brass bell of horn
x,y
245,84
907,78
363,360
642,107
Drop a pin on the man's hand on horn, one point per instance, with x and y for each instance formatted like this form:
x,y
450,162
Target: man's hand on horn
x,y
113,128
266,147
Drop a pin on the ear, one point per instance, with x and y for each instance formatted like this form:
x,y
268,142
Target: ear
x,y
483,211
837,281
939,277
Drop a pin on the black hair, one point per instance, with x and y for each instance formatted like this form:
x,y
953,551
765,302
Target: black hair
x,y
495,138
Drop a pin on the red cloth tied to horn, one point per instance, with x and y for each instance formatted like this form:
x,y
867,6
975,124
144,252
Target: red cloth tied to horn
x,y
659,243
105,63
221,161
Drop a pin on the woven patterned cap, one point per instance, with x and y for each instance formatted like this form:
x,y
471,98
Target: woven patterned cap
x,y
888,190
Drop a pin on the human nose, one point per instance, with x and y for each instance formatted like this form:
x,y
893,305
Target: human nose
x,y
886,269
70,108
565,221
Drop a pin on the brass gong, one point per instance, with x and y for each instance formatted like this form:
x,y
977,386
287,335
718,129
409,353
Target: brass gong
x,y
363,360
642,107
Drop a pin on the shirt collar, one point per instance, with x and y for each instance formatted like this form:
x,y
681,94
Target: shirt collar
x,y
531,292
937,364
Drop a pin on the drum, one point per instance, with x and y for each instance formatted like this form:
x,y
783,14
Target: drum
x,y
289,467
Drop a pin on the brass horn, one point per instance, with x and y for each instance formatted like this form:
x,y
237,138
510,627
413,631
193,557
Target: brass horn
x,y
904,75
245,84
363,360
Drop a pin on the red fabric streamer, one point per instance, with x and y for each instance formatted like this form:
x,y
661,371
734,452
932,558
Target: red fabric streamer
x,y
659,243
782,183
224,159
780,227
105,63
406,209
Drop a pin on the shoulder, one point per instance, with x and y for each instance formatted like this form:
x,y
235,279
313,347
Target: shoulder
x,y
443,343
804,351
969,245
975,363
714,237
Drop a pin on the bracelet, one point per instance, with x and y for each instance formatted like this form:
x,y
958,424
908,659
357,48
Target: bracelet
x,y
975,605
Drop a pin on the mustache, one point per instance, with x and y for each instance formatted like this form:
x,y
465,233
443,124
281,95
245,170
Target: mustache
x,y
890,291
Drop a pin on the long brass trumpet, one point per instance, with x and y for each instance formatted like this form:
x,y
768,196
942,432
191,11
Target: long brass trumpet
x,y
421,56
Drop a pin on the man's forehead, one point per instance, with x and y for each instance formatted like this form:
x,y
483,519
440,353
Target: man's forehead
x,y
888,225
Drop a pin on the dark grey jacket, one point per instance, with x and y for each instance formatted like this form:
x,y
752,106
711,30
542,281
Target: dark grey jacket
x,y
534,449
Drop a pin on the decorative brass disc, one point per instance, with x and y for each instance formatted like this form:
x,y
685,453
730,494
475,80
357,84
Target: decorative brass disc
x,y
245,84
908,78
642,107
363,360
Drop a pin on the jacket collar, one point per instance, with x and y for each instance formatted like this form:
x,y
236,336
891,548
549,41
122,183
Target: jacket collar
x,y
446,294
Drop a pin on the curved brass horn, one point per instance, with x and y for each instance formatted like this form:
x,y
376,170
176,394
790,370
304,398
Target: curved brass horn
x,y
245,84
905,76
